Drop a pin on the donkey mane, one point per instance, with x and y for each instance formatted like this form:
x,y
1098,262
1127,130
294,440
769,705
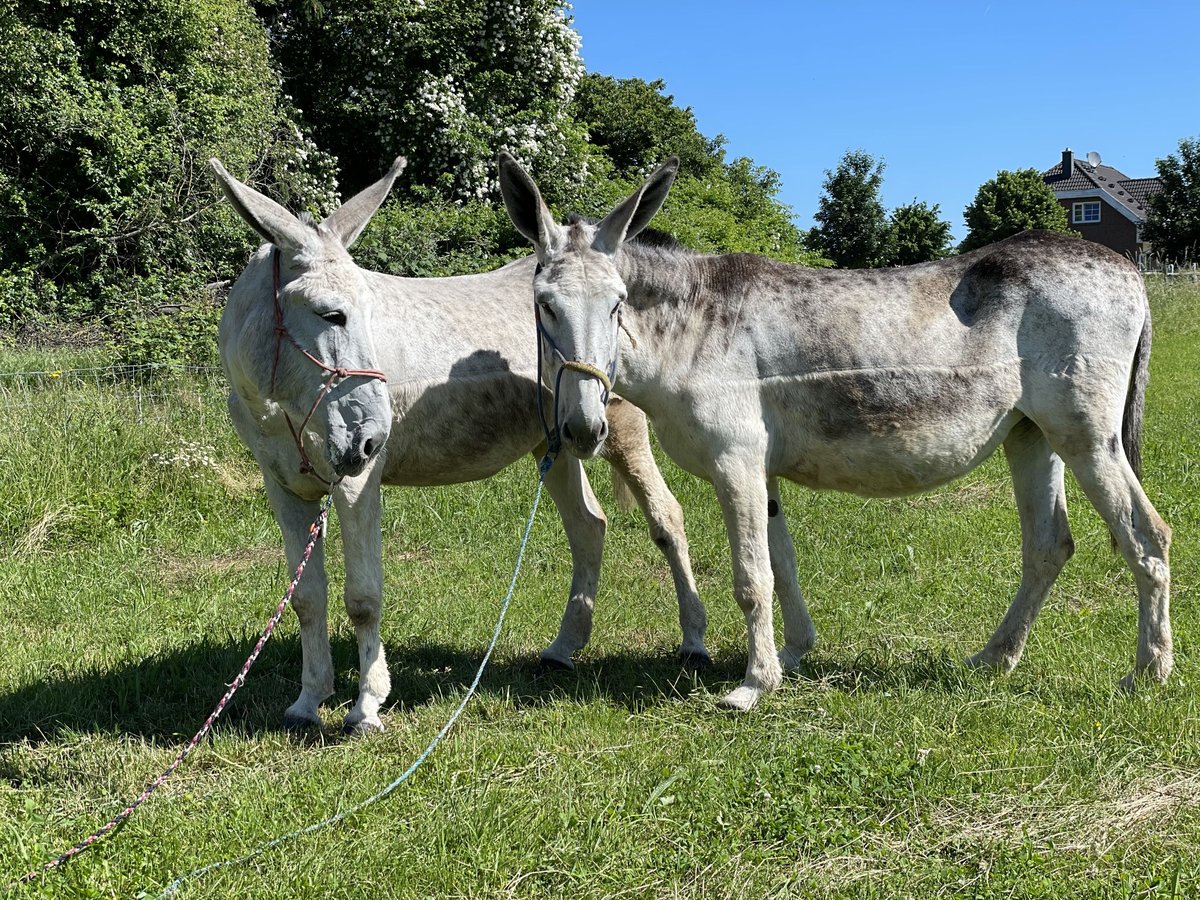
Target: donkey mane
x,y
647,237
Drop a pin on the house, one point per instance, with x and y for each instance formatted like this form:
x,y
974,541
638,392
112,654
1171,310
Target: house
x,y
1103,204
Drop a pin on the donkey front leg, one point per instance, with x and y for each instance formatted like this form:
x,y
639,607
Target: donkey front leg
x,y
742,493
585,524
310,601
628,451
357,501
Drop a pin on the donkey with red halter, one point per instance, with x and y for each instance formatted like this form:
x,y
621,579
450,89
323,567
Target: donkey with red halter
x,y
344,379
882,383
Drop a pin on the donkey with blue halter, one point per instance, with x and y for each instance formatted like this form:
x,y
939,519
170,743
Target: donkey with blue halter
x,y
344,380
879,382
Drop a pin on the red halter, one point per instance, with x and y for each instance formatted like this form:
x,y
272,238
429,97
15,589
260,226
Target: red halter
x,y
335,375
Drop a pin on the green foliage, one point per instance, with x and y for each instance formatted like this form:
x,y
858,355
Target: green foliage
x,y
447,83
852,228
637,126
438,238
734,210
180,333
1010,203
109,110
715,206
1173,226
917,234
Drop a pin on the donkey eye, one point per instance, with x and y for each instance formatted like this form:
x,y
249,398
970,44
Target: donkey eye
x,y
335,317
547,310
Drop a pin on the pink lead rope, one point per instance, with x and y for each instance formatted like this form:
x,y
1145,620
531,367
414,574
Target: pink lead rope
x,y
314,534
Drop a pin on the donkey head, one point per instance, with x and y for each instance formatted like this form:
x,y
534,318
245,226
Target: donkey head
x,y
297,329
578,292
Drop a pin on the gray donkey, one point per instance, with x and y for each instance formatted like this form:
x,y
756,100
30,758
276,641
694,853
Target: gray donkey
x,y
344,379
880,382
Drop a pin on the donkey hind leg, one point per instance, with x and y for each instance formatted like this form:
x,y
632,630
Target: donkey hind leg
x,y
628,451
585,524
742,493
1144,540
1046,543
358,505
310,601
799,634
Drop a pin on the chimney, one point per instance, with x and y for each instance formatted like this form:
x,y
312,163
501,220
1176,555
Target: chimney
x,y
1068,165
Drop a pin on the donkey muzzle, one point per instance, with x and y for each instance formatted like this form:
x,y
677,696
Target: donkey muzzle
x,y
364,445
584,435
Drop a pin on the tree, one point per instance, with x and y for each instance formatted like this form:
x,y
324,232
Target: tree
x,y
918,234
1010,203
852,227
109,111
716,206
636,126
1173,226
447,83
735,210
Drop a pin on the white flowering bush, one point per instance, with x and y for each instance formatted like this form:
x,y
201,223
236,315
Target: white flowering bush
x,y
446,83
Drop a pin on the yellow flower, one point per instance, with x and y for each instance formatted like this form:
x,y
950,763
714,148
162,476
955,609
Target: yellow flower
x,y
56,374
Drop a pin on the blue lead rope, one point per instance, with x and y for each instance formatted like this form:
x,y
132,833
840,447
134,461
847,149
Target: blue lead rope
x,y
170,889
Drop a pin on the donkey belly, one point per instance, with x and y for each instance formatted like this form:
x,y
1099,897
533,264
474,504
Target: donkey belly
x,y
889,432
460,431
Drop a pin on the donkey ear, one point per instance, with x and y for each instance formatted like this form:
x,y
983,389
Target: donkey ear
x,y
635,212
348,220
526,207
273,222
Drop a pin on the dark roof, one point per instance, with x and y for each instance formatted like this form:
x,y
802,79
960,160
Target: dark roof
x,y
1129,193
1142,189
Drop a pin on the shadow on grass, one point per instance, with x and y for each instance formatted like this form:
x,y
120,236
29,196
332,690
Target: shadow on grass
x,y
166,697
882,669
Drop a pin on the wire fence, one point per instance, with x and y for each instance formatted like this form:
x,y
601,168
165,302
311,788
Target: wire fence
x,y
143,394
1152,267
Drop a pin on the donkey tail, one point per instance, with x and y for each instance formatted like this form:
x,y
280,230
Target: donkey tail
x,y
1135,400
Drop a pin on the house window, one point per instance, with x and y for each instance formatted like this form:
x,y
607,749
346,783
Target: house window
x,y
1085,213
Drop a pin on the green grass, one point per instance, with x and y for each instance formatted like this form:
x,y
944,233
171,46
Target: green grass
x,y
133,586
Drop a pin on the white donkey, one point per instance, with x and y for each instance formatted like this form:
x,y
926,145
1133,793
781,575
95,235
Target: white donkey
x,y
343,379
882,383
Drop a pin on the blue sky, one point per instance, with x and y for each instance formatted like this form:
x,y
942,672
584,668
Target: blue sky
x,y
946,93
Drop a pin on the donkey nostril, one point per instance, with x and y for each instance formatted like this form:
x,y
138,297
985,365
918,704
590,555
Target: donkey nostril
x,y
602,431
566,430
368,448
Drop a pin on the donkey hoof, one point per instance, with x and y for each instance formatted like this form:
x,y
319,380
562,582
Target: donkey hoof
x,y
299,722
362,727
556,663
740,700
695,659
1153,668
988,661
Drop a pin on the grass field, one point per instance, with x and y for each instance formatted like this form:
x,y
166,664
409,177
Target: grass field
x,y
138,562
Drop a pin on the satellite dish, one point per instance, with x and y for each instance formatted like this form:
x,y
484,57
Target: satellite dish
x,y
1093,159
